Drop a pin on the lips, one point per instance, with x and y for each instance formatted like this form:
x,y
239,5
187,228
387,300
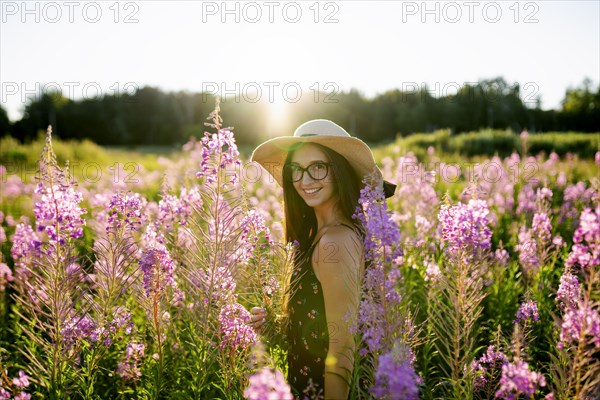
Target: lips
x,y
311,191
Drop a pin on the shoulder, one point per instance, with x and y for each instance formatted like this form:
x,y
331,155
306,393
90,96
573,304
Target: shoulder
x,y
339,245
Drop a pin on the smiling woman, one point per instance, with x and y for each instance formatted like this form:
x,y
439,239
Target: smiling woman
x,y
320,169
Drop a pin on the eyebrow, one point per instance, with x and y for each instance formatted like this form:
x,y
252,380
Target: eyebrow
x,y
312,162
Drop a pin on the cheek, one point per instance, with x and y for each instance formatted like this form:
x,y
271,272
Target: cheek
x,y
297,186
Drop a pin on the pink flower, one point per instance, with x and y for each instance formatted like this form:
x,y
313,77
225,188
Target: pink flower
x,y
267,385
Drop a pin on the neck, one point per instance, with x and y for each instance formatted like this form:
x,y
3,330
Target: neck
x,y
328,214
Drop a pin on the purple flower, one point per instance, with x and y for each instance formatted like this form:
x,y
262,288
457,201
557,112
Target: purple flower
x,y
527,312
502,257
432,271
156,265
579,324
544,194
5,275
589,227
524,134
58,212
381,298
568,295
395,377
121,319
23,396
487,368
586,250
527,249
129,368
234,326
219,282
464,228
517,379
526,200
575,195
173,209
77,329
125,210
541,227
382,236
22,381
267,385
219,153
25,246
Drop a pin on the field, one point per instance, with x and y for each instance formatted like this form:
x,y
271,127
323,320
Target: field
x,y
127,274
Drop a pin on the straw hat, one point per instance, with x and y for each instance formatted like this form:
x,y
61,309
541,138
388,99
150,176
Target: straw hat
x,y
272,153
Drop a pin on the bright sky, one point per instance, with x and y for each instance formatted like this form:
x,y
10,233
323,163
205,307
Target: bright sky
x,y
278,47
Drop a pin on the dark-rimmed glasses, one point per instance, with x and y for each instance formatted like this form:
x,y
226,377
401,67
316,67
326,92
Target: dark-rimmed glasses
x,y
317,171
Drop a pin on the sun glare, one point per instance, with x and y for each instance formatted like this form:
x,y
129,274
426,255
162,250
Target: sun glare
x,y
278,113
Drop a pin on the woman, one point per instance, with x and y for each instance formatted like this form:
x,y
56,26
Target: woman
x,y
320,169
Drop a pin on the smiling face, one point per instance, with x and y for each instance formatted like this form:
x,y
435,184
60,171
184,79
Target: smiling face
x,y
316,193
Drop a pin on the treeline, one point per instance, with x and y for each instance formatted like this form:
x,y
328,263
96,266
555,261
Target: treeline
x,y
153,117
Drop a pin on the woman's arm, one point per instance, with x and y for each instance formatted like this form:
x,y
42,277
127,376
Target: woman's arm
x,y
337,262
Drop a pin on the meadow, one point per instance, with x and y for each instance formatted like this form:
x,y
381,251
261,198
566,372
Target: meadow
x,y
127,274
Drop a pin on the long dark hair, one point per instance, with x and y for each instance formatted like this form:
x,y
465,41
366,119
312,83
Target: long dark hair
x,y
300,219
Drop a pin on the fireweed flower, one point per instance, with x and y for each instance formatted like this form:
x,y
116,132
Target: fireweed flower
x,y
517,379
25,245
234,326
380,297
219,282
157,268
125,210
574,196
266,384
543,194
527,312
5,276
21,381
586,248
432,271
253,230
173,209
541,227
76,329
382,235
502,257
526,200
395,377
129,368
416,195
527,248
465,228
253,224
382,238
579,323
58,213
485,368
220,144
568,295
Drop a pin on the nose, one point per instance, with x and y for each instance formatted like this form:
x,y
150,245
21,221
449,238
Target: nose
x,y
306,179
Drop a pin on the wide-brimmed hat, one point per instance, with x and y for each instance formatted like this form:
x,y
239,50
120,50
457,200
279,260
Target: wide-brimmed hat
x,y
272,153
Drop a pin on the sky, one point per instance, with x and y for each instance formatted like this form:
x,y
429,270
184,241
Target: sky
x,y
277,50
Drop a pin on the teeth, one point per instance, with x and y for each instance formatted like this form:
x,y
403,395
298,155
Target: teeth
x,y
311,191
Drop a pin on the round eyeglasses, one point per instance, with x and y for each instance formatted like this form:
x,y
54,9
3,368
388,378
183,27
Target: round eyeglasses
x,y
317,171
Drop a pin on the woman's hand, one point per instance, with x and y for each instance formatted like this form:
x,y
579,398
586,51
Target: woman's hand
x,y
258,318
